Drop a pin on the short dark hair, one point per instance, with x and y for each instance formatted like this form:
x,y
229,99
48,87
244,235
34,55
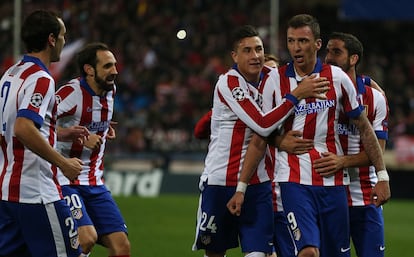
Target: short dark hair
x,y
302,20
87,55
242,32
351,43
36,29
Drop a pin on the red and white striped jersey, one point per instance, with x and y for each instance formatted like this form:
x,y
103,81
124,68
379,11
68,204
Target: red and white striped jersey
x,y
27,90
363,179
317,120
79,105
270,158
236,114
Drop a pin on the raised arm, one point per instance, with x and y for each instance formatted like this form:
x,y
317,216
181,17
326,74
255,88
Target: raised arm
x,y
243,105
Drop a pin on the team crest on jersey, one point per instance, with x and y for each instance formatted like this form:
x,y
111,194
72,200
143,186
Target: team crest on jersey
x,y
205,239
36,100
238,94
297,234
77,214
58,99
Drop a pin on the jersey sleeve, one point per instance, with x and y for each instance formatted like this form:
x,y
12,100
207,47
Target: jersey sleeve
x,y
380,122
351,103
38,95
233,92
202,128
66,101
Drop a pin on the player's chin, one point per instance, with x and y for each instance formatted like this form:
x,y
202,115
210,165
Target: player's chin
x,y
109,86
255,69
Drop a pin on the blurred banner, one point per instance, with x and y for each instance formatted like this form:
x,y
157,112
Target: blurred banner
x,y
404,150
151,183
377,10
144,178
148,176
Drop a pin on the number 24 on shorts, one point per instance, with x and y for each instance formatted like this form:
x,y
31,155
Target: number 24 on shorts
x,y
208,223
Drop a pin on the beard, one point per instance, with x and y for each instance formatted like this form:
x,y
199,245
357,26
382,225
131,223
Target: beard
x,y
344,67
347,67
103,84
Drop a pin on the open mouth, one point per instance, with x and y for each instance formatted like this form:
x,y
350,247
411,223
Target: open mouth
x,y
110,79
299,58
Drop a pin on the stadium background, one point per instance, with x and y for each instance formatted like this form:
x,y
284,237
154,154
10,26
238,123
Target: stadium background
x,y
165,85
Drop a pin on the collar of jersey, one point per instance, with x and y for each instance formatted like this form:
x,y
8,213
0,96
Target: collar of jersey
x,y
290,71
360,83
256,85
37,61
86,86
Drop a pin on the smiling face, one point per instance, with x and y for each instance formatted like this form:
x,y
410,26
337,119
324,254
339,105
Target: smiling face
x,y
105,72
249,57
303,48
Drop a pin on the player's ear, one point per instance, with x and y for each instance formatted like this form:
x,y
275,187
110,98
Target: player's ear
x,y
353,59
52,40
318,43
234,56
89,70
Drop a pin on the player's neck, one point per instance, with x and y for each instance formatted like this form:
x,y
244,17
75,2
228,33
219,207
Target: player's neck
x,y
305,69
92,84
42,56
352,74
253,79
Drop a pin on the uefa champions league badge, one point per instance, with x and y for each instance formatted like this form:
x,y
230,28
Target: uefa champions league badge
x,y
36,100
238,94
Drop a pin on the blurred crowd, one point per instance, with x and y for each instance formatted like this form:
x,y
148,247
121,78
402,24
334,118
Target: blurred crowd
x,y
165,84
